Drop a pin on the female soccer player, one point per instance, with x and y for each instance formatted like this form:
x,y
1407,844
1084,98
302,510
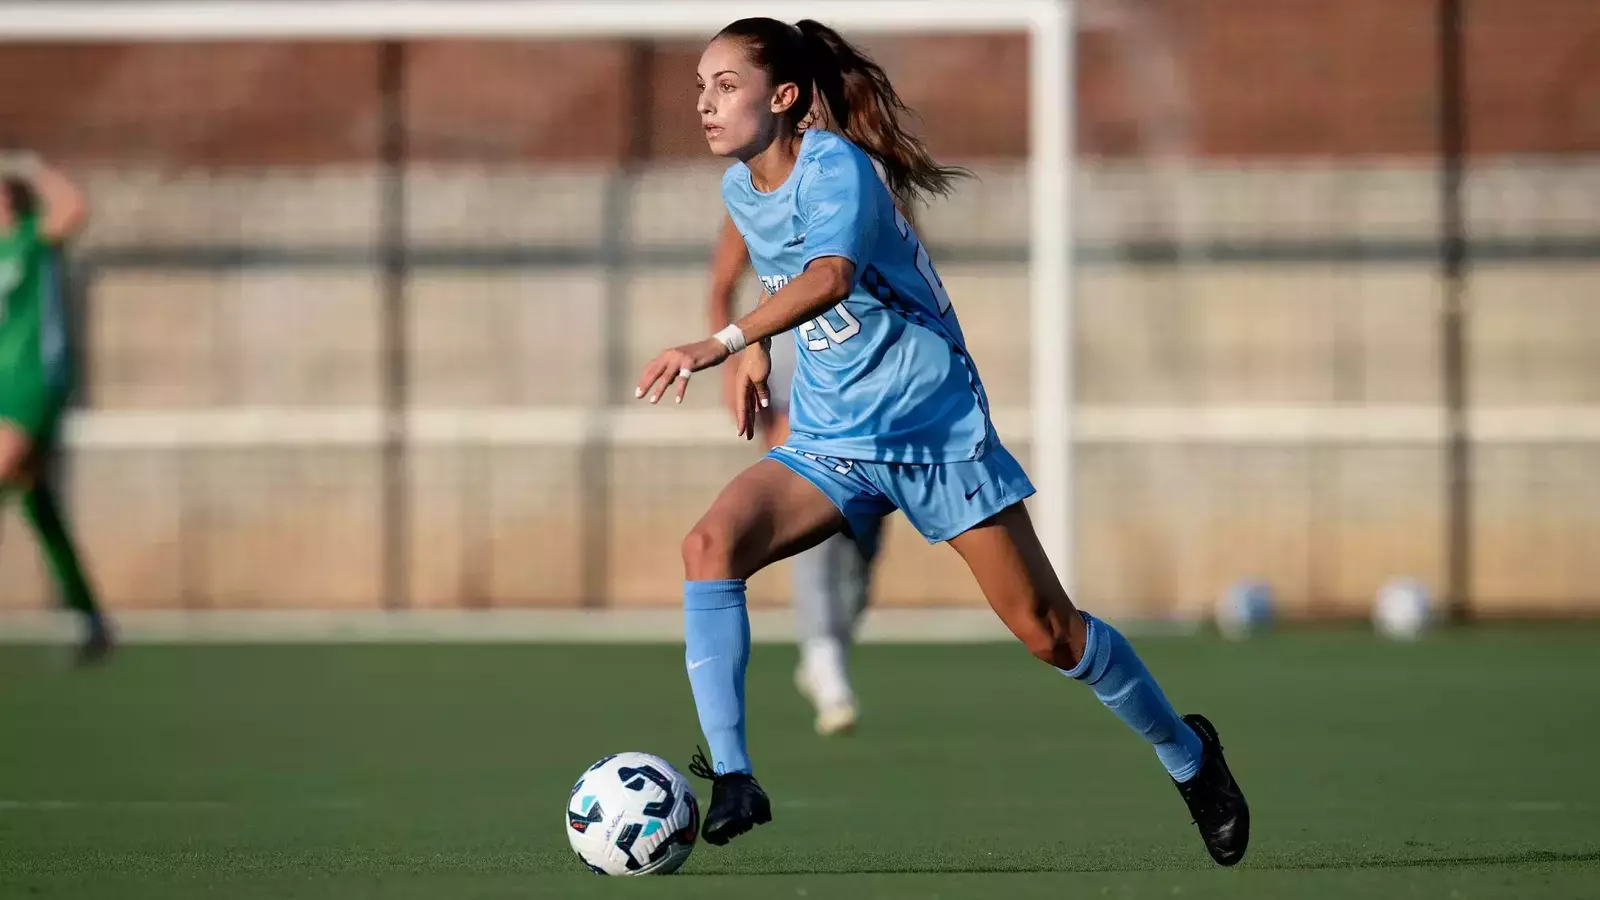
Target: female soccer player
x,y
39,209
832,581
887,409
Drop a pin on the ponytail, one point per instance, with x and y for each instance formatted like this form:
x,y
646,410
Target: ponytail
x,y
864,107
842,88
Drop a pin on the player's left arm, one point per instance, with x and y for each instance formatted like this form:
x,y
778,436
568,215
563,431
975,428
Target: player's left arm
x,y
729,259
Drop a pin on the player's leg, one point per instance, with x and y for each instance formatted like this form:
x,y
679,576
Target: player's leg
x,y
16,449
43,512
28,415
831,587
1011,567
1015,575
765,514
768,512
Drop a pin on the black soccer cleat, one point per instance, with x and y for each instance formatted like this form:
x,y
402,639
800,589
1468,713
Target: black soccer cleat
x,y
738,803
97,643
1215,800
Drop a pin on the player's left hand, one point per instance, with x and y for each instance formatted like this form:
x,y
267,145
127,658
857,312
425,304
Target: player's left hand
x,y
750,389
677,365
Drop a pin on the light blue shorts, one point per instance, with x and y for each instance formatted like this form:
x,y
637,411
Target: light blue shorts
x,y
941,500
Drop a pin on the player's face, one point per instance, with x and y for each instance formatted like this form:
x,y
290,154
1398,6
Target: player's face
x,y
740,111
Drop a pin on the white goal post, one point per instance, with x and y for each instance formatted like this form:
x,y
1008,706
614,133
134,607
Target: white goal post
x,y
1049,25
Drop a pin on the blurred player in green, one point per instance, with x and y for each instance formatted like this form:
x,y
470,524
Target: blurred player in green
x,y
40,208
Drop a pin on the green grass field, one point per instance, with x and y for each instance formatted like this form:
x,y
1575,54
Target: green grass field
x,y
1463,767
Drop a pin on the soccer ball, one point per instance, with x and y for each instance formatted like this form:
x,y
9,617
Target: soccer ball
x,y
1402,609
1245,608
632,814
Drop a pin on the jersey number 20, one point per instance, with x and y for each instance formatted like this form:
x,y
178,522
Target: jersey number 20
x,y
849,326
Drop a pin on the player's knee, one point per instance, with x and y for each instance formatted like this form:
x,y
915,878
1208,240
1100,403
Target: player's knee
x,y
14,459
1050,639
708,553
1049,648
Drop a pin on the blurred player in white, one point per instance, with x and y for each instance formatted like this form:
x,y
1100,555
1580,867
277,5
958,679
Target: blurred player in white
x,y
832,581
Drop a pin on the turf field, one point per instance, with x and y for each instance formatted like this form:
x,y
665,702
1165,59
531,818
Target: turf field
x,y
1464,767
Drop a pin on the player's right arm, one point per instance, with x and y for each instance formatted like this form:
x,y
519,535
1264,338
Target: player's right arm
x,y
63,208
66,208
837,215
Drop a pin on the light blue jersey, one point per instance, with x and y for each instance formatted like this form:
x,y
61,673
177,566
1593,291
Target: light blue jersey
x,y
883,376
887,413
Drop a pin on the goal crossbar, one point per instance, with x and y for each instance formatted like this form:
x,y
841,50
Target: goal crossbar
x,y
262,19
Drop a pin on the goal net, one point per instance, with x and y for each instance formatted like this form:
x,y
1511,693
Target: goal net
x,y
367,286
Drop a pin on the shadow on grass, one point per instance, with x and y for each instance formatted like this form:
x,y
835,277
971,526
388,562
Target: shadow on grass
x,y
1463,861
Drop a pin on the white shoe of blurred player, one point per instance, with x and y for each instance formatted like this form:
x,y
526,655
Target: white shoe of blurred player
x,y
821,678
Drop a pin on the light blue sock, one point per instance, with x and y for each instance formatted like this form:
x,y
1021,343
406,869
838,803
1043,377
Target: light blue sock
x,y
1119,679
716,632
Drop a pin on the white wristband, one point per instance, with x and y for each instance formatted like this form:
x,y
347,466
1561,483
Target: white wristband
x,y
732,338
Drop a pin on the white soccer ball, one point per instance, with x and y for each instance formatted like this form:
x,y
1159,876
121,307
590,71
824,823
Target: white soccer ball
x,y
632,814
1403,609
1245,608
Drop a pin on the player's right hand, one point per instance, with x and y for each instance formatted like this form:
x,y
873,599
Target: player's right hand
x,y
676,365
748,391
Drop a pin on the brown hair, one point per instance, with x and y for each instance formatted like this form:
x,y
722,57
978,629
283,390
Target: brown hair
x,y
857,98
20,196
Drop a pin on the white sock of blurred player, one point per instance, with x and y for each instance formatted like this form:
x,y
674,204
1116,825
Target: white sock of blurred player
x,y
831,588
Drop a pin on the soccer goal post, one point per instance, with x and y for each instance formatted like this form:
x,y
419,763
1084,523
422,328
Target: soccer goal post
x,y
313,412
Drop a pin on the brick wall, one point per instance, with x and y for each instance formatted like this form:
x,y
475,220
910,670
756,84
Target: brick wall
x,y
1243,78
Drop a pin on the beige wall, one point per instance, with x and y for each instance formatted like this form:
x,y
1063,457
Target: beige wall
x,y
1163,525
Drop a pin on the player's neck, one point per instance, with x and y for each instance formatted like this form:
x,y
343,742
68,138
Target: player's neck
x,y
771,167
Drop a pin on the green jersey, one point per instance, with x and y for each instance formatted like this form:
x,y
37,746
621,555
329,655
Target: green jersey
x,y
34,373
